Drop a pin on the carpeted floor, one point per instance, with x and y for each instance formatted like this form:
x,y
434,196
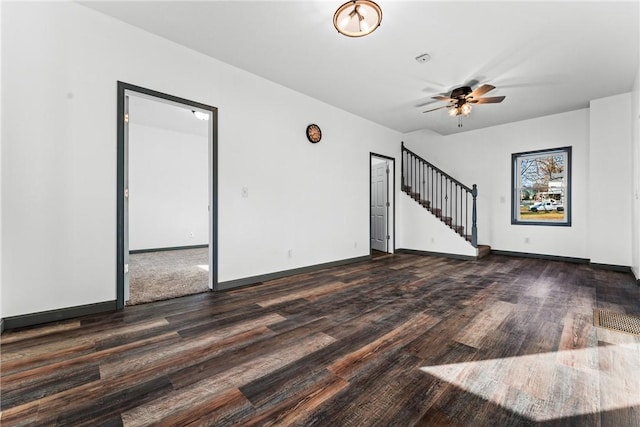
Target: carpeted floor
x,y
161,275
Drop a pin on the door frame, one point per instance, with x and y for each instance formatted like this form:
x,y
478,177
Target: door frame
x,y
120,182
391,198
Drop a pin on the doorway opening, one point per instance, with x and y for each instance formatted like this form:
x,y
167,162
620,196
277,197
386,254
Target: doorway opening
x,y
166,196
382,204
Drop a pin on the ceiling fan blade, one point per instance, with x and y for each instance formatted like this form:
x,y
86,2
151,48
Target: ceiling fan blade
x,y
489,100
481,90
439,108
442,98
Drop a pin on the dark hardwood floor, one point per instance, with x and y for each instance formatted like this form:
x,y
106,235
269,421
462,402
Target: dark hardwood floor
x,y
399,340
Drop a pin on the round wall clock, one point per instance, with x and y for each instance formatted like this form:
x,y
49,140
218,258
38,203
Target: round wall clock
x,y
314,134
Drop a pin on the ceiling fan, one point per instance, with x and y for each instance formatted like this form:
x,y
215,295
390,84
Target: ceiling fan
x,y
462,97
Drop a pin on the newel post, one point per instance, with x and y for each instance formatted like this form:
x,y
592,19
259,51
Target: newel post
x,y
474,225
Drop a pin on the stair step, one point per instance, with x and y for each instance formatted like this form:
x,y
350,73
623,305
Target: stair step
x,y
417,196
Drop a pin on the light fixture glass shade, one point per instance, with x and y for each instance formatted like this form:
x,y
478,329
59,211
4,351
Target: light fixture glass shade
x,y
357,18
465,109
454,111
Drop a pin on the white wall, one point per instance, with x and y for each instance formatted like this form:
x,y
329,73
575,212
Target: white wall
x,y
423,231
483,157
59,154
1,149
168,188
635,118
610,178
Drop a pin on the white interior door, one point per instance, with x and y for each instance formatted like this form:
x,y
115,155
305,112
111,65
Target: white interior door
x,y
379,206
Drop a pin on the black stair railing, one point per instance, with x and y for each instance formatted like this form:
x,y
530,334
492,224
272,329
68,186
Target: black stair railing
x,y
445,197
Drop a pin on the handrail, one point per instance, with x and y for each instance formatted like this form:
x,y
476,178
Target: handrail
x,y
437,168
441,194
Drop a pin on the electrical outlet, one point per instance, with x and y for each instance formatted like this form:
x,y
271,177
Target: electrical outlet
x,y
191,234
527,240
245,192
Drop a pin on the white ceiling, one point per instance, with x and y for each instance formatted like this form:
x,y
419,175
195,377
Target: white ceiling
x,y
545,57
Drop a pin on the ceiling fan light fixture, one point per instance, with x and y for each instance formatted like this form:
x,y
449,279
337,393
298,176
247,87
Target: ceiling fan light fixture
x,y
357,18
461,99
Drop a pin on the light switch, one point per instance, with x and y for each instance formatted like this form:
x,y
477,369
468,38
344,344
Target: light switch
x,y
245,192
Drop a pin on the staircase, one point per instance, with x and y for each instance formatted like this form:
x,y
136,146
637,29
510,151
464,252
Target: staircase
x,y
445,197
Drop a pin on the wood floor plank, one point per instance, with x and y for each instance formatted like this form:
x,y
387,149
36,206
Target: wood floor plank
x,y
189,394
112,404
578,334
399,336
370,398
307,293
187,353
40,386
47,349
216,364
299,409
82,358
38,332
223,409
16,362
477,330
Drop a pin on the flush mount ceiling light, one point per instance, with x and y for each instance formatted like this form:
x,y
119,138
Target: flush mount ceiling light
x,y
357,18
200,115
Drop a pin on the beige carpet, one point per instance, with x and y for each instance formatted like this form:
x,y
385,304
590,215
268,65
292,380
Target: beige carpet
x,y
161,275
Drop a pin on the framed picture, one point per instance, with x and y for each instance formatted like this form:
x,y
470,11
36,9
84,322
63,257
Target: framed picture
x,y
541,187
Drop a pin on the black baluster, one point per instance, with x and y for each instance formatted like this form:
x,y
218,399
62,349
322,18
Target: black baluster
x,y
429,185
466,210
402,152
474,222
441,198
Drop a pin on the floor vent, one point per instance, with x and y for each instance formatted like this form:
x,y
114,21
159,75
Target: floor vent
x,y
620,322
